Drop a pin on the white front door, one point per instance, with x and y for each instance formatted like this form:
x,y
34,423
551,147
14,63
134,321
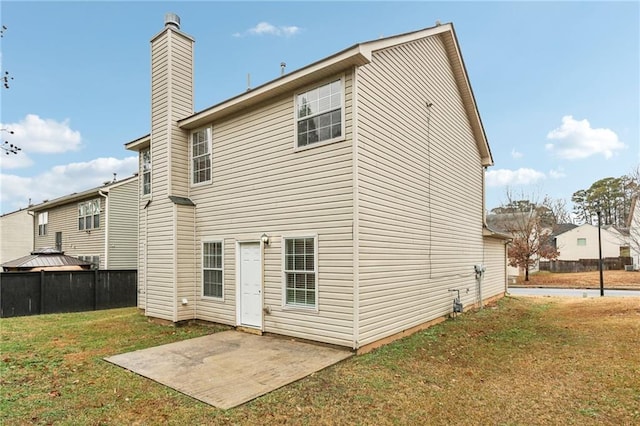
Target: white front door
x,y
250,285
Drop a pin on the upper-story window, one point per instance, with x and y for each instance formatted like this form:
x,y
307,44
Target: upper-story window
x,y
146,171
320,114
89,215
43,220
201,156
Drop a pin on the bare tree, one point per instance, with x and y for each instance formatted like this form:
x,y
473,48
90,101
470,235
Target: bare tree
x,y
530,224
558,208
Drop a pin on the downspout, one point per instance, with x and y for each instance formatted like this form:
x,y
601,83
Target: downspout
x,y
195,269
355,212
33,229
106,229
484,224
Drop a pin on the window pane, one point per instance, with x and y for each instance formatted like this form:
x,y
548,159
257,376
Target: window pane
x,y
324,104
324,120
324,133
96,221
336,87
336,100
324,91
81,223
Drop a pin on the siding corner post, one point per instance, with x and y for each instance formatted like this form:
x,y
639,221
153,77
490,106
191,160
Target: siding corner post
x,y
42,298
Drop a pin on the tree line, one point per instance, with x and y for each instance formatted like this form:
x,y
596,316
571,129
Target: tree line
x,y
610,196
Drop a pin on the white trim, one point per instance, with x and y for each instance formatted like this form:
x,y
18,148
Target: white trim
x,y
343,113
106,228
283,250
209,135
237,286
204,241
141,174
356,210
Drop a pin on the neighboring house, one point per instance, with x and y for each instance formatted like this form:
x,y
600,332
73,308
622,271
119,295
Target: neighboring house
x,y
46,259
581,242
634,232
506,223
622,237
99,225
16,235
340,203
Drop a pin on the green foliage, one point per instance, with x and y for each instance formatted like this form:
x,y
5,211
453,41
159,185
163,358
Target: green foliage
x,y
610,196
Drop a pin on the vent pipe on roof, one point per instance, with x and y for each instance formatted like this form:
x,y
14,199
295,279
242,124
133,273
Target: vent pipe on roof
x,y
282,67
171,20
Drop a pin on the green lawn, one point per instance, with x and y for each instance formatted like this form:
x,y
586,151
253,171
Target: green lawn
x,y
523,361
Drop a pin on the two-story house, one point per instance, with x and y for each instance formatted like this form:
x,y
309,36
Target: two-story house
x,y
99,225
16,235
340,203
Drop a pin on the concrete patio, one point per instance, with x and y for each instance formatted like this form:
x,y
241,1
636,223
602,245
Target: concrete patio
x,y
229,368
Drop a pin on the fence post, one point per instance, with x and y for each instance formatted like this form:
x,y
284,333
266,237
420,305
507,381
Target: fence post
x,y
95,289
42,298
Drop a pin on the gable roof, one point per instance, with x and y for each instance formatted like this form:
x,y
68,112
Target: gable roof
x,y
76,196
356,55
561,228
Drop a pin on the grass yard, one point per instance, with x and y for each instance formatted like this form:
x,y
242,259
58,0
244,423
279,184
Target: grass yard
x,y
530,361
611,279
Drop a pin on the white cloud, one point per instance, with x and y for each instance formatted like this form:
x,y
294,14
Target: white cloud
x,y
576,140
265,28
62,180
516,154
557,174
35,135
505,177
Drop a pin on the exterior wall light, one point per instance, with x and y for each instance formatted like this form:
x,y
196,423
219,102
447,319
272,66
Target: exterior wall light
x,y
265,239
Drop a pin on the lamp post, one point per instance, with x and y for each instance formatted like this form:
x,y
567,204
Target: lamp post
x,y
600,254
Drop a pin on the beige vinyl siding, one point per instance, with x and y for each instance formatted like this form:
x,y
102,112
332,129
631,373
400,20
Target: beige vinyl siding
x,y
160,292
16,235
420,198
185,261
181,106
142,256
171,66
123,226
495,277
261,184
75,243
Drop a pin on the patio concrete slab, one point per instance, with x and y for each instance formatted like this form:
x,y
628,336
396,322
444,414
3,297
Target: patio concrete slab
x,y
229,368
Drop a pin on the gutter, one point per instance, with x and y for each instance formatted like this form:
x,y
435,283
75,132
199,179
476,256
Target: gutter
x,y
106,228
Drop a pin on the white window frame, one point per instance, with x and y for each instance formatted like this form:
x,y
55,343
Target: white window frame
x,y
202,268
145,168
43,221
296,119
285,304
209,135
94,207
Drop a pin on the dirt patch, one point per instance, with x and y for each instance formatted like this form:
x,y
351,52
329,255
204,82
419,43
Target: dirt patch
x,y
611,279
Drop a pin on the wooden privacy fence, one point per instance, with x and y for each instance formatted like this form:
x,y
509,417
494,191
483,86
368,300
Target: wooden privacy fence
x,y
48,292
585,265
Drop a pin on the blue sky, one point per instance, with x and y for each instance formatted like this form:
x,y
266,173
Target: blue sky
x,y
556,83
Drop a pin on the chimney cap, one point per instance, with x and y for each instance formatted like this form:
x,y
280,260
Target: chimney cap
x,y
172,20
